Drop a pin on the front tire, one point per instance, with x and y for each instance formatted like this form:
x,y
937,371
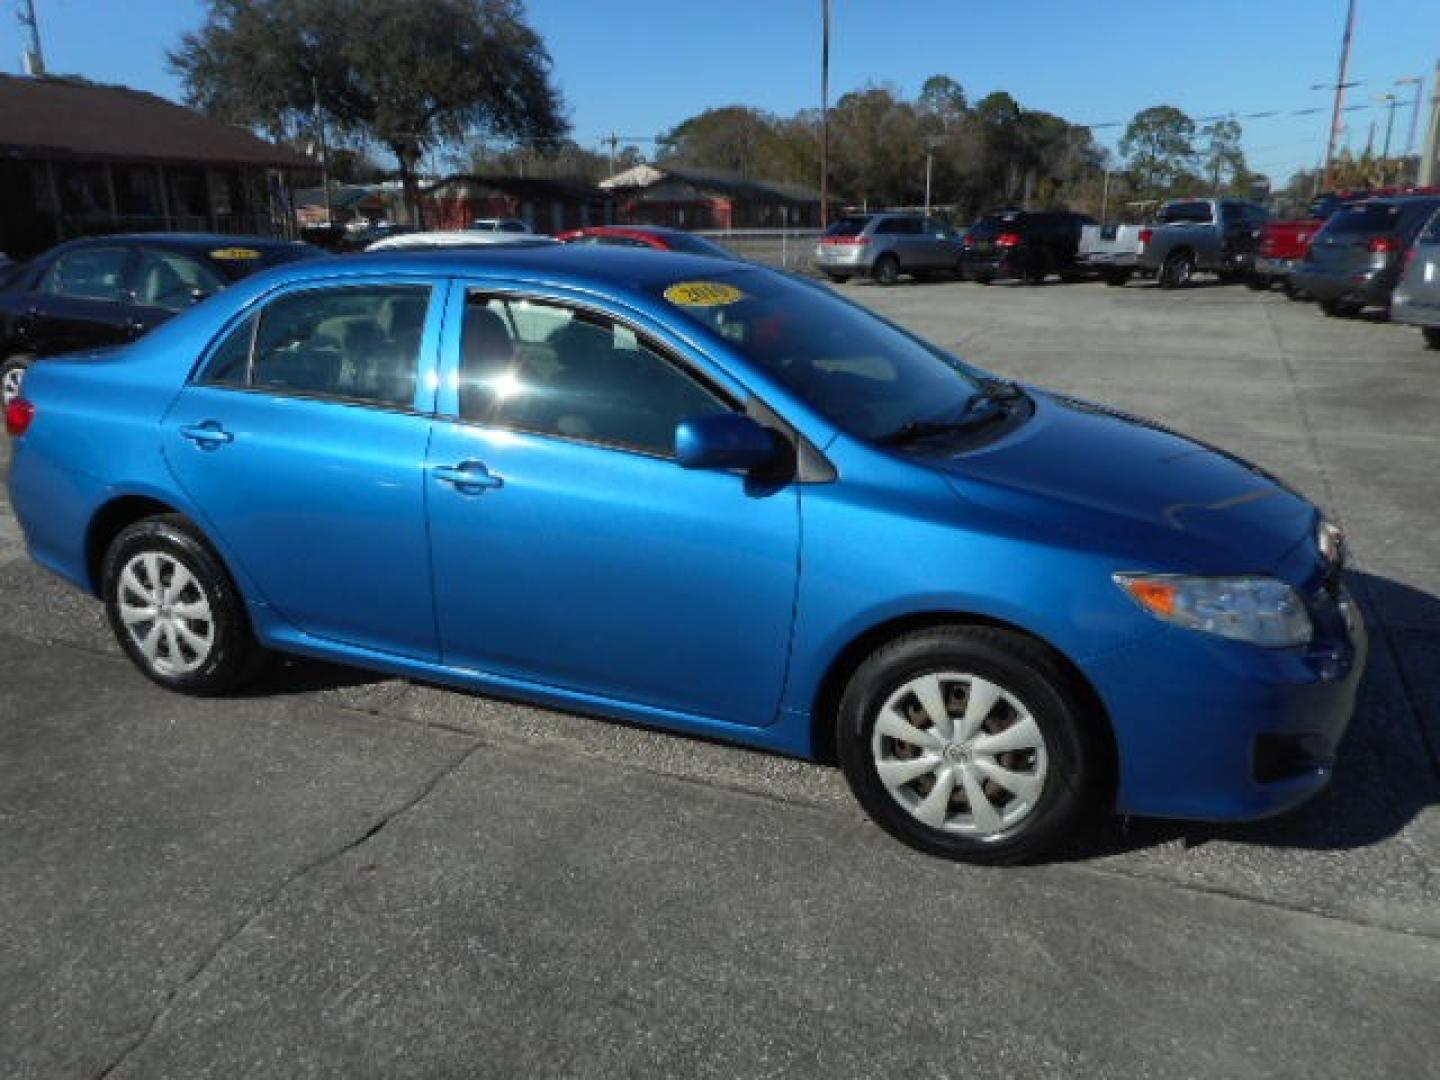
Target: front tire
x,y
970,743
12,378
175,611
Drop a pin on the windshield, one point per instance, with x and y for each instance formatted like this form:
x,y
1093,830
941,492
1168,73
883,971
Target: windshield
x,y
1192,212
867,377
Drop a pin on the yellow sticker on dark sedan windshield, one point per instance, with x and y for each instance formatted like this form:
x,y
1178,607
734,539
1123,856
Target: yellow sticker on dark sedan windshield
x,y
703,294
235,253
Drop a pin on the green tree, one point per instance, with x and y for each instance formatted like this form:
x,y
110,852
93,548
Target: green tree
x,y
1222,157
410,75
1159,150
732,137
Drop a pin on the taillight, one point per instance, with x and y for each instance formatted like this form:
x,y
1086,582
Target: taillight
x,y
1145,235
1008,240
849,241
18,415
1382,245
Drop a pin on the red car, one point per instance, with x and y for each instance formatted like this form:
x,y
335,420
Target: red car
x,y
651,236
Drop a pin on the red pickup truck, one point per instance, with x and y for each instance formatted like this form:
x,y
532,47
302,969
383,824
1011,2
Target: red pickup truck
x,y
1286,242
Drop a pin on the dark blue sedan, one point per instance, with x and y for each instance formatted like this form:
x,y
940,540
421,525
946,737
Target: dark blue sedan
x,y
707,497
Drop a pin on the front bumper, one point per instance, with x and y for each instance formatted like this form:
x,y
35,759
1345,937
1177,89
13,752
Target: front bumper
x,y
1216,730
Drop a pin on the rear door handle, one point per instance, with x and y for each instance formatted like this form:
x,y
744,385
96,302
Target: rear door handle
x,y
471,476
207,434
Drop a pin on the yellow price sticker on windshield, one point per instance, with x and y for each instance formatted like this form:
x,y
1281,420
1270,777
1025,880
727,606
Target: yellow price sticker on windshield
x,y
235,253
703,294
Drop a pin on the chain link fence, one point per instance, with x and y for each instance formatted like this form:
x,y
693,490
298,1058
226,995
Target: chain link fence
x,y
787,249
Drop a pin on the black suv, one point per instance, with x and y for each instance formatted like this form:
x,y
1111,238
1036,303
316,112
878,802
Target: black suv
x,y
107,290
1023,244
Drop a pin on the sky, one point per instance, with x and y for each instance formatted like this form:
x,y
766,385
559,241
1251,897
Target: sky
x,y
639,67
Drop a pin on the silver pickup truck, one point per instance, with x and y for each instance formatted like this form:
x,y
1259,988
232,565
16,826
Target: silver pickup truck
x,y
1218,236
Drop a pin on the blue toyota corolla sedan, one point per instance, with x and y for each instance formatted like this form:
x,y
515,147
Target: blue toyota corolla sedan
x,y
708,497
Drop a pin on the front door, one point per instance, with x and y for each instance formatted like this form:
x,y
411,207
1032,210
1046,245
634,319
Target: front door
x,y
569,547
302,445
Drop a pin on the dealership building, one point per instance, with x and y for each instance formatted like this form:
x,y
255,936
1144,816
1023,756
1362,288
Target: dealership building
x,y
77,159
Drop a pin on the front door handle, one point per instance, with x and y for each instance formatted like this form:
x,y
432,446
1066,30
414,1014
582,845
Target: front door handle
x,y
208,434
471,476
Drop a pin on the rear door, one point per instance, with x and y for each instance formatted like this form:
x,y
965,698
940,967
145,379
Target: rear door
x,y
302,441
81,301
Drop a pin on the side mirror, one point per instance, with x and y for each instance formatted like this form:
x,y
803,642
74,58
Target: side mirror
x,y
723,441
196,295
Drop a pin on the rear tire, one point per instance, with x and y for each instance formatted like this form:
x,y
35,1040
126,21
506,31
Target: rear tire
x,y
1116,278
919,737
1037,269
886,270
1258,284
175,610
1340,309
1432,336
12,378
1177,271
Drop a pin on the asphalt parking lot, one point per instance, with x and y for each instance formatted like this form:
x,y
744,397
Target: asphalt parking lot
x,y
339,874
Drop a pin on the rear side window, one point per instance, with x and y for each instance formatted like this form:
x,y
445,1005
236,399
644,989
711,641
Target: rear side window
x,y
899,226
91,273
1195,213
847,226
1432,230
355,344
1413,217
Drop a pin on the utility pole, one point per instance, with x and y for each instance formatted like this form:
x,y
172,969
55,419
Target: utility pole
x,y
324,151
1340,88
30,34
824,114
1426,172
613,141
929,159
1417,81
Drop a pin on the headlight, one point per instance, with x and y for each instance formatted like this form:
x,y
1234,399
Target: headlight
x,y
1259,610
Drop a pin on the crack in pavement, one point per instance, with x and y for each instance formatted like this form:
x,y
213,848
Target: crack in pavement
x,y
270,899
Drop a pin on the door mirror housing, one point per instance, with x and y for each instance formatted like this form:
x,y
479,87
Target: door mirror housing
x,y
724,441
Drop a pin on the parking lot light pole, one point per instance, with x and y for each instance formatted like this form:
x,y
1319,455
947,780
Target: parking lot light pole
x,y
824,114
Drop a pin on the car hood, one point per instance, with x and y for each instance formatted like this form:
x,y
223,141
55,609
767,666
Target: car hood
x,y
1085,472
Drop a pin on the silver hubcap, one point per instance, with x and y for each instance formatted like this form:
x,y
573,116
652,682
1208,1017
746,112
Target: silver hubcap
x,y
166,613
10,385
960,754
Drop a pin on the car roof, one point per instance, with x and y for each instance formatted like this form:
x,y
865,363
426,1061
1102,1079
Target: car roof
x,y
186,241
589,267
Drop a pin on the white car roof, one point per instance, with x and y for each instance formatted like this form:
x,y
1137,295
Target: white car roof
x,y
457,238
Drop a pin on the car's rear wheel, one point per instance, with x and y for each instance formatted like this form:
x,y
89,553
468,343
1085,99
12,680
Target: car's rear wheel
x,y
174,609
1037,268
969,743
1340,309
12,378
886,270
1116,278
1432,336
1258,284
1177,271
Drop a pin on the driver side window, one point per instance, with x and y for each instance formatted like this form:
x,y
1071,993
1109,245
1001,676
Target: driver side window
x,y
555,370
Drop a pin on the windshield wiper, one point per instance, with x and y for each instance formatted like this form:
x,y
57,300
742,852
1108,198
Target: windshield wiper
x,y
995,392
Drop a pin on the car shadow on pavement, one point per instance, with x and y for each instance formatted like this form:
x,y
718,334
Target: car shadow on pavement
x,y
1385,769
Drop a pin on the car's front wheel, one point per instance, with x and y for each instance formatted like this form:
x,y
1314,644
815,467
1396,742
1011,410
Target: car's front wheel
x,y
12,378
970,743
174,609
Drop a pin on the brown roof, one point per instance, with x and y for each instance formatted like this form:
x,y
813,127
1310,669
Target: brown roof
x,y
50,117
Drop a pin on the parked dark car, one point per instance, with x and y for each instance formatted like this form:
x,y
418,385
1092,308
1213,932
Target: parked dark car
x,y
107,290
1356,260
1022,244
